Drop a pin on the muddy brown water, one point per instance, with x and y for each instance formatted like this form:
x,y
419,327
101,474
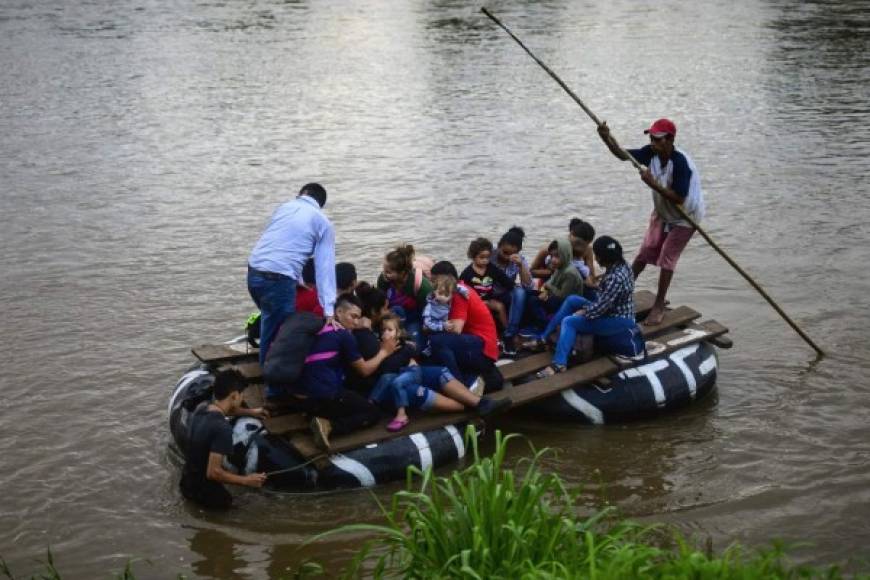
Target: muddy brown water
x,y
145,143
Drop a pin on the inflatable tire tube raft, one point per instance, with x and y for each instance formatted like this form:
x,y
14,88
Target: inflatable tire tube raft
x,y
255,450
659,385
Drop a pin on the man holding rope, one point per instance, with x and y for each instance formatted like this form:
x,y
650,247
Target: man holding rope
x,y
672,176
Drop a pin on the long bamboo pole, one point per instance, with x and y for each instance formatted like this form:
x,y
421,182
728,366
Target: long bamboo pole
x,y
679,208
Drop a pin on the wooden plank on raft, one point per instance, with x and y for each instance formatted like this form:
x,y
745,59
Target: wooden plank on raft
x,y
520,395
251,371
643,302
254,396
674,339
218,353
283,424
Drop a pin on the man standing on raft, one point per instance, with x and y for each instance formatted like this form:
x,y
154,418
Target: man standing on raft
x,y
298,229
672,176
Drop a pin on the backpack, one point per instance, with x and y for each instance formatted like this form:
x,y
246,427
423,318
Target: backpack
x,y
422,267
286,355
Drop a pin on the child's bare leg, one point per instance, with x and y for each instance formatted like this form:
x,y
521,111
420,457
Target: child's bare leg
x,y
445,404
460,393
499,310
401,414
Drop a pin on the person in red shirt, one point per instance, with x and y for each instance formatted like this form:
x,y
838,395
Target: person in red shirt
x,y
469,347
306,292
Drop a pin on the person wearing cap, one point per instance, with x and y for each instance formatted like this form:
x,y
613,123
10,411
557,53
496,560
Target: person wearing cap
x,y
675,181
297,231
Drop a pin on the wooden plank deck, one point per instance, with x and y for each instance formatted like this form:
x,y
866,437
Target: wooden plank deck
x,y
520,395
218,353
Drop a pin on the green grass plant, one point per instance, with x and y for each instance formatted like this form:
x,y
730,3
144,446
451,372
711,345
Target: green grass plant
x,y
490,522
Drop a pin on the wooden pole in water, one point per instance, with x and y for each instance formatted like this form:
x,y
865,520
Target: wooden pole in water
x,y
681,211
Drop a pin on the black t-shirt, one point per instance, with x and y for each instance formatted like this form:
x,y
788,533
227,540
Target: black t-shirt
x,y
369,345
210,432
493,282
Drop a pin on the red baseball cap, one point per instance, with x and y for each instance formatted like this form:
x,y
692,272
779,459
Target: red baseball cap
x,y
662,127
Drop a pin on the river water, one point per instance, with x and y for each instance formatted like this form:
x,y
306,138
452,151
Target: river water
x,y
145,143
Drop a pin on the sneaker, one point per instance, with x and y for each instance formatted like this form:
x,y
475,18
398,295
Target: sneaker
x,y
488,406
320,429
509,348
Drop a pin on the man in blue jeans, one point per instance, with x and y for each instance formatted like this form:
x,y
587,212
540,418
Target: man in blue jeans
x,y
297,230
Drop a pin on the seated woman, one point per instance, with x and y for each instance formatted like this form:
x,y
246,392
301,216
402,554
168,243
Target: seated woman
x,y
507,257
610,317
375,309
564,281
427,388
321,391
406,288
469,347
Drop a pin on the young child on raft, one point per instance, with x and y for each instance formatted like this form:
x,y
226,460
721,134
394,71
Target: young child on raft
x,y
438,304
486,278
509,260
428,388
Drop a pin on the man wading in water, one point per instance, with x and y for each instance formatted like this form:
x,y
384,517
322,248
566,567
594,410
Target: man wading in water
x,y
211,439
672,176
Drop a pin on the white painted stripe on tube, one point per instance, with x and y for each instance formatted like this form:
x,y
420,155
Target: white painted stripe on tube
x,y
182,383
679,359
589,410
423,447
649,371
353,467
457,440
688,334
707,366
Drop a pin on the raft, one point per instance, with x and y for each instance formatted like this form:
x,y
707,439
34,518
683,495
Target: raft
x,y
256,450
602,390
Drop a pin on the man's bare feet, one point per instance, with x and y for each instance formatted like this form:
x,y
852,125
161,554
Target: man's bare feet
x,y
655,316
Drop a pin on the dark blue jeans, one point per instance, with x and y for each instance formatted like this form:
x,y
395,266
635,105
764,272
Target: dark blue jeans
x,y
538,311
569,306
413,387
516,309
412,322
276,299
605,326
462,354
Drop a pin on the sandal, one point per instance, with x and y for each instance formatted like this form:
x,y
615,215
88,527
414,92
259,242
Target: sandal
x,y
397,424
550,370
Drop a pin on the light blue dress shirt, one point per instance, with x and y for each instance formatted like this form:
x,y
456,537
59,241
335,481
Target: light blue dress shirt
x,y
297,230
